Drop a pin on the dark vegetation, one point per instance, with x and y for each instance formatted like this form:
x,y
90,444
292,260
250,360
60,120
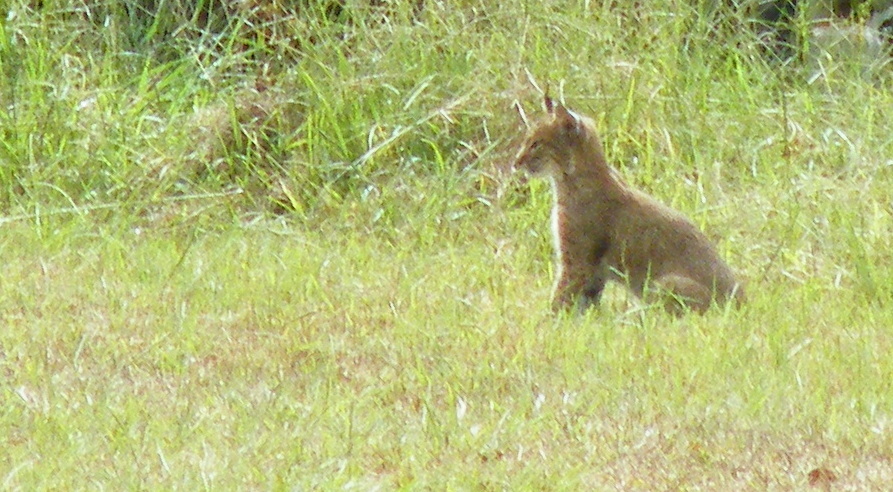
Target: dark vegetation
x,y
784,25
235,96
228,97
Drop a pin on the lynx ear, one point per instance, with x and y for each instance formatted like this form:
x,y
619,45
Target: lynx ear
x,y
568,118
548,104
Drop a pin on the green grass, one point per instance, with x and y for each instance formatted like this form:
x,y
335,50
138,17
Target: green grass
x,y
287,254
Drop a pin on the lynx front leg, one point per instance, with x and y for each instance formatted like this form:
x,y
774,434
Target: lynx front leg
x,y
581,278
592,294
574,286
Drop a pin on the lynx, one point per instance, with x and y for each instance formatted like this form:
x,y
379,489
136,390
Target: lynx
x,y
605,230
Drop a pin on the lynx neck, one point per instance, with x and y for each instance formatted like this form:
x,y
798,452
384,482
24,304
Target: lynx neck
x,y
588,177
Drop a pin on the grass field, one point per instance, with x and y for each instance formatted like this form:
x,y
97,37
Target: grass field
x,y
275,251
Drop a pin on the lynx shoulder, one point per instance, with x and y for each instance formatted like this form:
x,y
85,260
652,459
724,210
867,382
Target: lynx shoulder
x,y
606,231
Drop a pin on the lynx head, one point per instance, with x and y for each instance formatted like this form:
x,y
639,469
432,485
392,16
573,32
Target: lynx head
x,y
548,147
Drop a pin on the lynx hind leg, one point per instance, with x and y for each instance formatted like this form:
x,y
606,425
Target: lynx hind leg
x,y
680,293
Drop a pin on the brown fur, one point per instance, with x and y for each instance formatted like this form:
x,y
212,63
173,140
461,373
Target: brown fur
x,y
605,230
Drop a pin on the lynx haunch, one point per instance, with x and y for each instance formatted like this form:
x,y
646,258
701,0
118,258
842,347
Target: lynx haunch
x,y
605,230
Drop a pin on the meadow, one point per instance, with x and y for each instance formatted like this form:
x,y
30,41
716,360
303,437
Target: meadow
x,y
279,247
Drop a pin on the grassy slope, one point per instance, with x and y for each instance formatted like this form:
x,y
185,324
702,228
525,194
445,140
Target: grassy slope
x,y
392,330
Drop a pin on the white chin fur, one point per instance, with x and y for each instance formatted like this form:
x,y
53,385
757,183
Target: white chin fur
x,y
556,242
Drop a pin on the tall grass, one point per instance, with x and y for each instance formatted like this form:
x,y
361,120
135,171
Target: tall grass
x,y
278,246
